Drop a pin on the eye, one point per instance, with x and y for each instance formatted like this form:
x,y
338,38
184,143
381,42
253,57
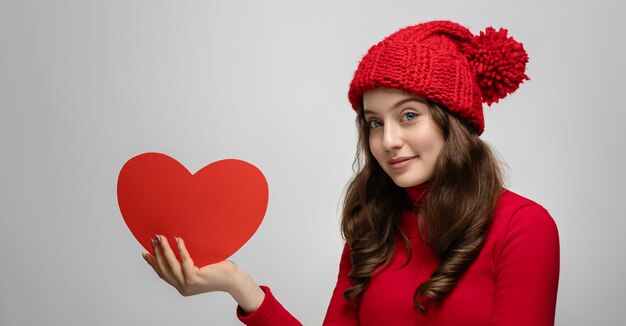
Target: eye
x,y
410,116
374,123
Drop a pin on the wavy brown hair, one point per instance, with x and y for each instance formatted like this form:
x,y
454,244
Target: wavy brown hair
x,y
454,217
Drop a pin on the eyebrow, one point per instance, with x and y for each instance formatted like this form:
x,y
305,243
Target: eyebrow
x,y
399,103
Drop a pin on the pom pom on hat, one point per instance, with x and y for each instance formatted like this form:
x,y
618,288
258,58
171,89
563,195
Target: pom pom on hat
x,y
499,63
444,62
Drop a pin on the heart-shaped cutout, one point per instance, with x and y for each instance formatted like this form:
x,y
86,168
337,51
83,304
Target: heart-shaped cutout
x,y
215,211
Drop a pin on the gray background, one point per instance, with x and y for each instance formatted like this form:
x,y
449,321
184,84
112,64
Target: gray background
x,y
86,85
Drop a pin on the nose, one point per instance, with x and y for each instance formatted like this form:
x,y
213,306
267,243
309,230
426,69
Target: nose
x,y
392,137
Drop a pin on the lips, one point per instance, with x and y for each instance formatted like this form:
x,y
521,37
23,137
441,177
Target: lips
x,y
400,162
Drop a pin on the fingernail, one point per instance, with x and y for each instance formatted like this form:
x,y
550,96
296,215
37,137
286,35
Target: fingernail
x,y
153,243
144,256
176,238
158,238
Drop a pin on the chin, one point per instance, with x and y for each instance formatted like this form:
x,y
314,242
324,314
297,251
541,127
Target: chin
x,y
408,182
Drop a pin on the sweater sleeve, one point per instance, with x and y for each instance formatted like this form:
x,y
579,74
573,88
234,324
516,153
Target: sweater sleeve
x,y
269,313
527,270
342,312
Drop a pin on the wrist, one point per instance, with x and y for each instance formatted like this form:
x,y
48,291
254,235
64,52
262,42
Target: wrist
x,y
245,291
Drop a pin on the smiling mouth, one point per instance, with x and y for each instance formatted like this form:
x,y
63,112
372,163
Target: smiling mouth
x,y
400,163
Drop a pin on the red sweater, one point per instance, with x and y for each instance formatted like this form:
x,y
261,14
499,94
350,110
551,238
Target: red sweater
x,y
513,281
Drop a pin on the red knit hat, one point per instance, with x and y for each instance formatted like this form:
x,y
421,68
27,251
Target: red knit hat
x,y
444,62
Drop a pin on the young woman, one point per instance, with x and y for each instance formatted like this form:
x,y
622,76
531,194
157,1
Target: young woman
x,y
432,237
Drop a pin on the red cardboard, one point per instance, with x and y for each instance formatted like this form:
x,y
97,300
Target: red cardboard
x,y
215,211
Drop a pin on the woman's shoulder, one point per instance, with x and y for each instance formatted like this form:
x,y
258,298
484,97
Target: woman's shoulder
x,y
514,211
510,203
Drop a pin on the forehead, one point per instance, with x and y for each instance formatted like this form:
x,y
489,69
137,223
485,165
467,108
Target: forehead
x,y
384,99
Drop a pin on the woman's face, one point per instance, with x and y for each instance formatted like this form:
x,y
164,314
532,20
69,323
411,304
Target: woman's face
x,y
404,139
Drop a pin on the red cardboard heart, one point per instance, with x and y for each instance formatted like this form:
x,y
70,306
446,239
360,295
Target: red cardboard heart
x,y
215,211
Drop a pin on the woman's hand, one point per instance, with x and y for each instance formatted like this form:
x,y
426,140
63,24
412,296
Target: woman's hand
x,y
186,277
190,280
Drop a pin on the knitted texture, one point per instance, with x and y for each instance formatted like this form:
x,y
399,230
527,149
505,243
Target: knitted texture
x,y
444,62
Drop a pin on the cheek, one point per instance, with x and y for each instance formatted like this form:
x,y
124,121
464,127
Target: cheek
x,y
375,149
437,147
433,141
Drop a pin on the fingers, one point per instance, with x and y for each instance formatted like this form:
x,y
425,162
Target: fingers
x,y
187,262
151,260
162,265
171,260
183,276
187,278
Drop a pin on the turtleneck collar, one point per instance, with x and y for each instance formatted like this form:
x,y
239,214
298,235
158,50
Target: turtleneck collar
x,y
409,218
416,193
